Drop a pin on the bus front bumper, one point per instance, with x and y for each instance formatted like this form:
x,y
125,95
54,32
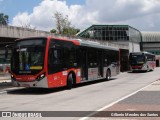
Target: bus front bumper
x,y
38,84
139,68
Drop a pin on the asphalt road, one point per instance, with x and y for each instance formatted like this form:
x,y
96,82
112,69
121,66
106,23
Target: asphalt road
x,y
85,97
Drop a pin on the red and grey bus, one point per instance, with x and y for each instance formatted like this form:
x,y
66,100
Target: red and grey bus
x,y
49,62
142,61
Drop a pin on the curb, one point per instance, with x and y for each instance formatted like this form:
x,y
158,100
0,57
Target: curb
x,y
5,91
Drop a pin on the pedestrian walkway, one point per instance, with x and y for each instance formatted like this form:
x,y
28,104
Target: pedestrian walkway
x,y
5,78
5,81
143,105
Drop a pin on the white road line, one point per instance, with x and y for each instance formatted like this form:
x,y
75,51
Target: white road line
x,y
111,104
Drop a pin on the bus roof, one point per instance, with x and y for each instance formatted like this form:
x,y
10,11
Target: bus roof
x,y
78,42
142,53
93,44
87,43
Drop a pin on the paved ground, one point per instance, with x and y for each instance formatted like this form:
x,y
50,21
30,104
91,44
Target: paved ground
x,y
5,82
89,97
4,77
145,104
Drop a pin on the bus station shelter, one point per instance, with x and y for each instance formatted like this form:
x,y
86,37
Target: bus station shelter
x,y
119,34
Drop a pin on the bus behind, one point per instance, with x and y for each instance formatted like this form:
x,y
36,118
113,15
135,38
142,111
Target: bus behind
x,y
142,61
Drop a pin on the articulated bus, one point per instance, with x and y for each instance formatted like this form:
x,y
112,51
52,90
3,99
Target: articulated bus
x,y
50,62
142,61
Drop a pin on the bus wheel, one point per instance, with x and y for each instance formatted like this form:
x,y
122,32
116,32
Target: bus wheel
x,y
69,81
108,74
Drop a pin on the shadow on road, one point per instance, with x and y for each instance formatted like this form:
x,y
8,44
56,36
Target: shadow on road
x,y
34,91
93,82
41,91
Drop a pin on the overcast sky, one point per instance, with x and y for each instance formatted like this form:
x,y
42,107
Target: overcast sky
x,y
140,14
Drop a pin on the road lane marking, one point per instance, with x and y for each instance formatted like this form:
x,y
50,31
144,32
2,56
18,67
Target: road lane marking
x,y
111,104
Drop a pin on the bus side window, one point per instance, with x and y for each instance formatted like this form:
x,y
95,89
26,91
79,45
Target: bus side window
x,y
107,59
92,58
50,57
56,56
54,60
50,61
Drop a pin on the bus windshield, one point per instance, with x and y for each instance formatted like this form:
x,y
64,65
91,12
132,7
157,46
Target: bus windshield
x,y
28,56
137,59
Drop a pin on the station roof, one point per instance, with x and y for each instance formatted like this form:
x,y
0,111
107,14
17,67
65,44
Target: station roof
x,y
150,36
113,26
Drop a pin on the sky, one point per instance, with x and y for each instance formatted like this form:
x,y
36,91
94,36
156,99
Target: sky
x,y
143,15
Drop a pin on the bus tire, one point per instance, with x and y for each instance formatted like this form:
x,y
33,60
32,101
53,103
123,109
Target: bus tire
x,y
69,81
108,75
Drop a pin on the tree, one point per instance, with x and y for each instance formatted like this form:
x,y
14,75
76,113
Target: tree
x,y
53,31
63,25
3,19
70,31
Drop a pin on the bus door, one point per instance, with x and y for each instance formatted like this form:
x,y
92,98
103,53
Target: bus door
x,y
100,63
84,63
114,62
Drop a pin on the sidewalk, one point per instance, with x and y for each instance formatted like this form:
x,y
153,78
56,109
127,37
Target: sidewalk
x,y
5,81
143,105
5,78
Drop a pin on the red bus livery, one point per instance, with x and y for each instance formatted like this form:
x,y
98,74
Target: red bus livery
x,y
142,61
47,62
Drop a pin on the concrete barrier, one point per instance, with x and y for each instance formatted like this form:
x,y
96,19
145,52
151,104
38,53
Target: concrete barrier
x,y
20,32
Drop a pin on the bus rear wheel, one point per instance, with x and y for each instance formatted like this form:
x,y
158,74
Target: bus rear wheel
x,y
108,75
69,81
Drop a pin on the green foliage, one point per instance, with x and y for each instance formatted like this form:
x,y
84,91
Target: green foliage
x,y
3,19
70,31
53,31
63,25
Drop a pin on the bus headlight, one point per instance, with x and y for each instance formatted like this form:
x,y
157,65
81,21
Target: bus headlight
x,y
40,77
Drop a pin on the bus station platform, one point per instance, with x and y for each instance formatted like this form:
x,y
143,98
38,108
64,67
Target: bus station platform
x,y
5,78
5,81
143,105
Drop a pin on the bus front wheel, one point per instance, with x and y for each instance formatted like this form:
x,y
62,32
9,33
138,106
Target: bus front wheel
x,y
69,81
